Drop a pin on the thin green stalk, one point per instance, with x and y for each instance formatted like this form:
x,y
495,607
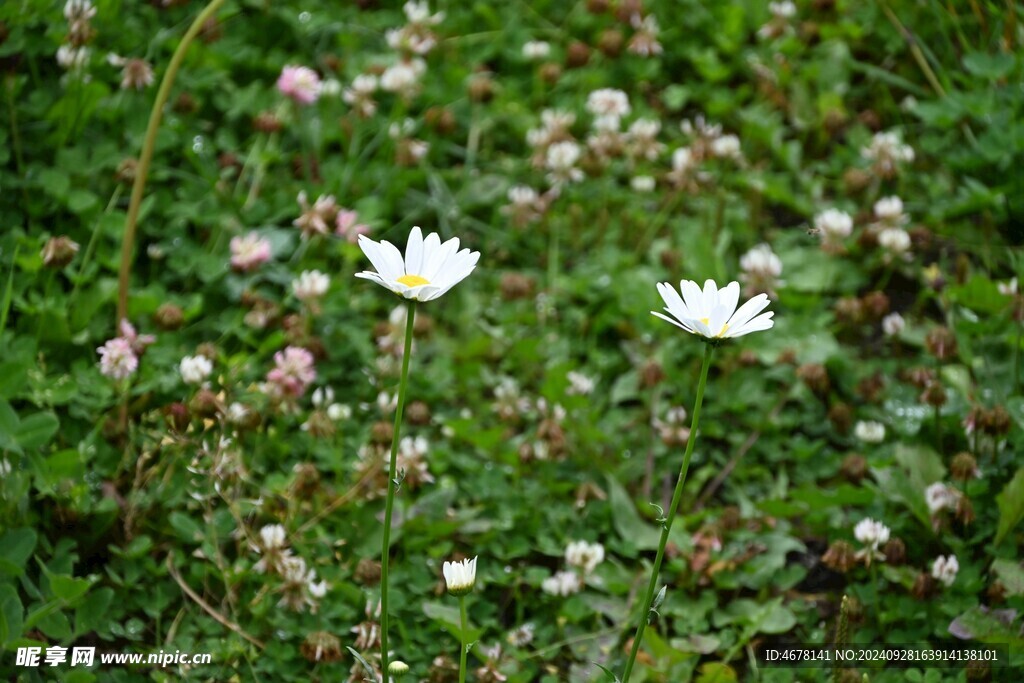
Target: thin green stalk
x,y
666,526
392,486
5,306
462,639
146,157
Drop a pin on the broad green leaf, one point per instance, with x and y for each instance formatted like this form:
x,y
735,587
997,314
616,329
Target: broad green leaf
x,y
627,520
16,546
37,429
1011,505
716,672
11,614
1011,575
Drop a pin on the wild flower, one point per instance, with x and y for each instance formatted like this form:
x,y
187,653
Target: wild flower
x,y
886,152
712,313
893,324
536,50
761,270
945,569
316,219
833,226
359,95
310,286
249,252
117,358
584,556
195,369
563,584
869,431
300,83
428,270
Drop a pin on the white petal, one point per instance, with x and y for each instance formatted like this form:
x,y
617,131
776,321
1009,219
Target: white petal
x,y
673,321
393,257
748,311
375,255
414,252
761,322
673,302
729,296
710,297
694,298
716,321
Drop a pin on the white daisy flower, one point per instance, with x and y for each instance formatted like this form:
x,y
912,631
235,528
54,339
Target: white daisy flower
x,y
460,576
195,369
712,313
428,270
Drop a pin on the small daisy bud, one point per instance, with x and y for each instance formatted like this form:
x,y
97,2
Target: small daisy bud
x,y
840,557
266,122
368,571
321,646
597,6
169,317
381,432
186,104
208,350
126,170
963,467
941,343
481,88
978,670
786,357
626,10
854,467
849,311
748,358
550,73
996,592
59,252
870,388
440,120
514,286
577,55
610,42
875,304
815,376
307,479
924,586
934,395
841,417
996,421
870,119
177,416
964,510
205,403
651,374
460,576
418,413
319,425
398,668
895,552
856,180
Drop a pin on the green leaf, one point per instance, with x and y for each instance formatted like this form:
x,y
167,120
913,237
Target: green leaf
x,y
11,615
1011,505
716,672
921,463
448,617
16,546
990,66
37,429
68,588
1011,575
608,672
627,520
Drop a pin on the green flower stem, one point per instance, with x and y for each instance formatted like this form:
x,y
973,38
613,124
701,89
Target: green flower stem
x,y
462,638
148,145
392,475
667,525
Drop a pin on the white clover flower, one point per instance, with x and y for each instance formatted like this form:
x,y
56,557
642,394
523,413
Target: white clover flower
x,y
726,147
316,589
893,324
894,240
1008,288
682,160
945,569
761,269
79,9
428,270
70,57
237,413
938,497
330,87
580,384
521,636
195,369
889,209
608,123
782,10
608,102
522,196
310,285
583,555
273,536
536,49
712,313
869,432
871,533
460,576
887,151
561,160
642,183
562,584
833,226
323,396
403,77
338,412
117,358
418,13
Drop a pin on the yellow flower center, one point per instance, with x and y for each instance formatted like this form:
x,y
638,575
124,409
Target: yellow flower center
x,y
725,327
413,280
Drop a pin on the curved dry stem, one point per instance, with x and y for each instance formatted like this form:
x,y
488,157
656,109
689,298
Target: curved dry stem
x,y
148,145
